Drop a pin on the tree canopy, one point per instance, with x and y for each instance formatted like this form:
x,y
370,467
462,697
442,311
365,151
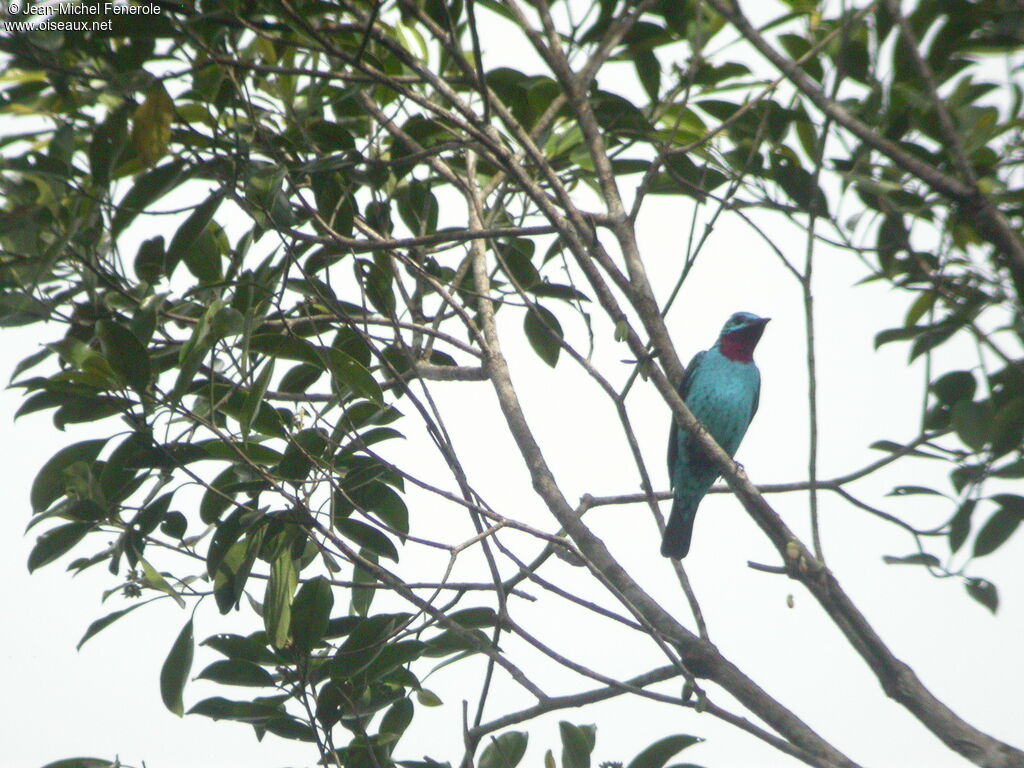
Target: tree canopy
x,y
259,237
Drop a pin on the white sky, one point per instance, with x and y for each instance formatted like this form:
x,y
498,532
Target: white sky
x,y
104,700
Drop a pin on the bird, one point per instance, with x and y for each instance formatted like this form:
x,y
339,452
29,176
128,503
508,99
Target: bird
x,y
722,388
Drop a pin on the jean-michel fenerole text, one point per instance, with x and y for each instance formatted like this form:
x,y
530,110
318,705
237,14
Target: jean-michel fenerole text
x,y
37,12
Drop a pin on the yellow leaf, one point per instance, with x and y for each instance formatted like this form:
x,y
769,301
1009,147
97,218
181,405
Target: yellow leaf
x,y
917,310
151,127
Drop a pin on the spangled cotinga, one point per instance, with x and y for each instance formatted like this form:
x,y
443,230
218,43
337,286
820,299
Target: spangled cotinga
x,y
721,388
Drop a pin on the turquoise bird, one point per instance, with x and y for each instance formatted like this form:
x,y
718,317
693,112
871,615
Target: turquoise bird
x,y
721,388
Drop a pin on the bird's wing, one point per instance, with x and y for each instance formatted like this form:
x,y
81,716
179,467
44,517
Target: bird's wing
x,y
684,389
757,399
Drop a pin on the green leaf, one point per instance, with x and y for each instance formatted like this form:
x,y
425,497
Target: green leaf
x,y
393,656
254,399
517,255
219,708
984,592
148,187
619,116
1013,470
233,570
1010,502
304,450
960,525
799,184
119,471
30,362
808,137
454,641
277,601
108,144
348,373
151,259
203,260
341,626
49,484
252,648
156,580
899,334
367,536
224,538
237,672
921,305
363,588
151,125
227,322
577,744
397,719
663,750
288,727
300,378
55,543
20,309
365,439
505,751
378,498
153,514
364,643
82,510
287,347
345,370
557,291
797,47
268,420
125,354
100,624
1000,526
428,698
919,558
973,423
935,335
176,669
475,618
377,281
913,490
192,352
218,496
967,475
228,450
311,612
544,333
174,525
648,69
418,207
187,235
892,238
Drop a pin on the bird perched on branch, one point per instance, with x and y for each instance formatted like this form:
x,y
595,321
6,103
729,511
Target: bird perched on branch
x,y
721,388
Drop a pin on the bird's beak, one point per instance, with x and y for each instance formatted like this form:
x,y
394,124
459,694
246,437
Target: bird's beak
x,y
763,321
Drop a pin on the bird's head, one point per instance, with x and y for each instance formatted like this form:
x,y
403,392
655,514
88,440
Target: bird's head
x,y
740,335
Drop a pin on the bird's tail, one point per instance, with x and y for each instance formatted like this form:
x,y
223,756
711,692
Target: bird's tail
x,y
676,541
